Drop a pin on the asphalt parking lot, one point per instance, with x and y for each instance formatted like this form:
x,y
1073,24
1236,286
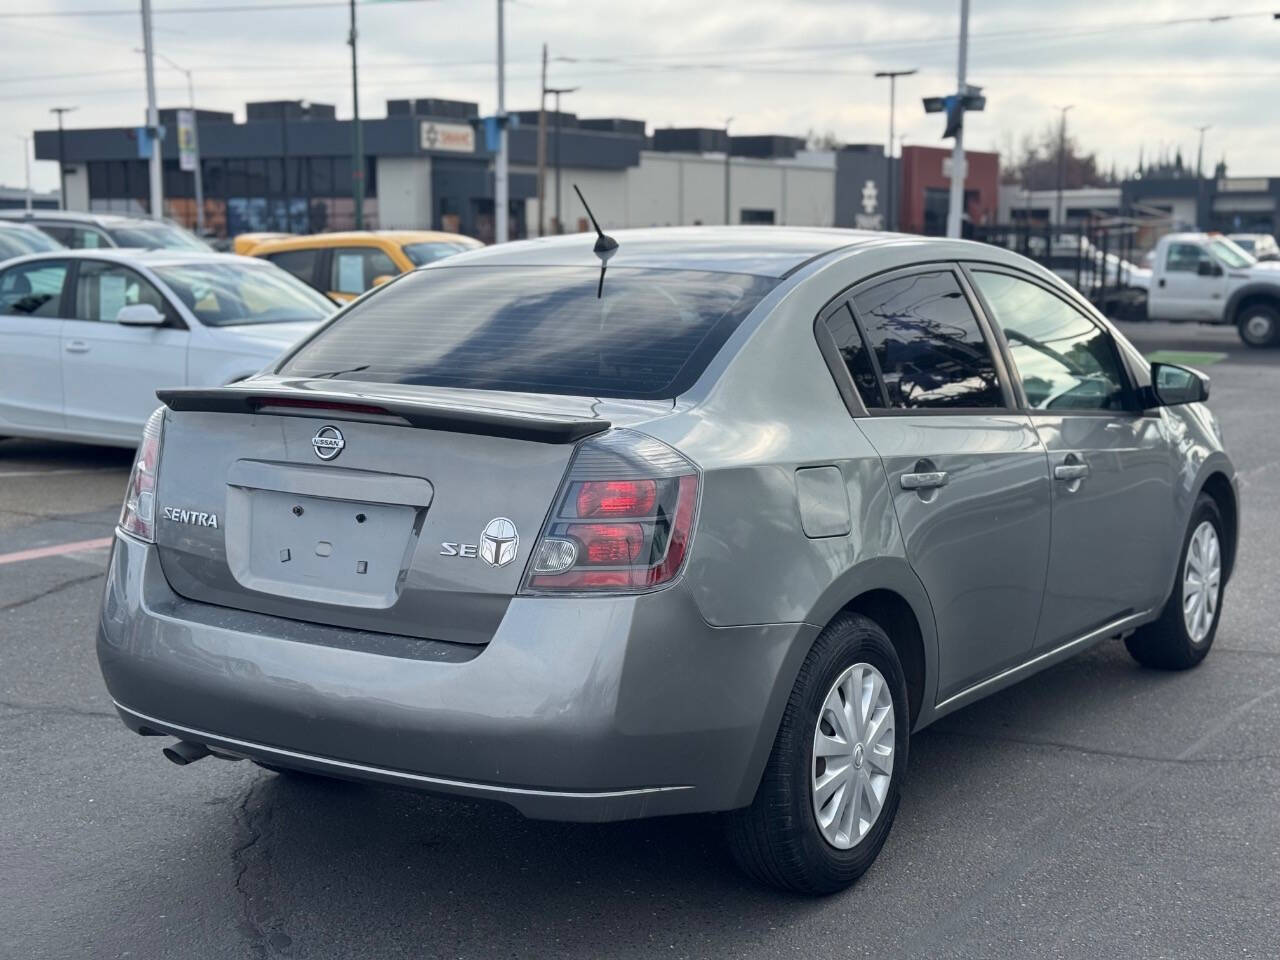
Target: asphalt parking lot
x,y
1096,810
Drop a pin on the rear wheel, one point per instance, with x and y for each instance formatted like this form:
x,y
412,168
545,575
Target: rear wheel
x,y
1181,638
1259,325
830,790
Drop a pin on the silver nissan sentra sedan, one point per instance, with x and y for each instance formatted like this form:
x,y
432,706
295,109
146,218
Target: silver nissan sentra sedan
x,y
694,519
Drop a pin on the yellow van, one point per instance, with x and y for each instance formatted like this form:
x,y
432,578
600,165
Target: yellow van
x,y
345,265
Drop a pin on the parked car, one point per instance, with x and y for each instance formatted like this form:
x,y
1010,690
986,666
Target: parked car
x,y
714,531
86,337
345,265
1206,278
243,243
18,239
95,231
1261,246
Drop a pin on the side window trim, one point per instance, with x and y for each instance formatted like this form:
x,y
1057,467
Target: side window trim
x,y
984,328
1023,405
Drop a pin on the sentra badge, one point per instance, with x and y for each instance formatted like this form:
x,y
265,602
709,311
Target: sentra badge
x,y
196,518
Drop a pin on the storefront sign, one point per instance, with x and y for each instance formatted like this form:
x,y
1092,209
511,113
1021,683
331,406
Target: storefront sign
x,y
454,137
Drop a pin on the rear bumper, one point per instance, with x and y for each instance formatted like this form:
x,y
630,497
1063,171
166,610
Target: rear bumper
x,y
595,709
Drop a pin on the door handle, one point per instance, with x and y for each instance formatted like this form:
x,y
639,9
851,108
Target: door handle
x,y
77,346
1160,282
930,480
1071,471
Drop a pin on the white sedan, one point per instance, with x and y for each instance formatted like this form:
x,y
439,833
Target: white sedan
x,y
87,337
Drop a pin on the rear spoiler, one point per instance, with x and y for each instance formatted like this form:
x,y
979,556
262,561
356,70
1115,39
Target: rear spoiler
x,y
426,414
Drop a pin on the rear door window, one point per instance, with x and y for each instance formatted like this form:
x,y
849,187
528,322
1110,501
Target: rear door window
x,y
301,263
926,344
537,330
33,289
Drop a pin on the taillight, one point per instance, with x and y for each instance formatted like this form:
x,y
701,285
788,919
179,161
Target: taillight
x,y
621,523
138,515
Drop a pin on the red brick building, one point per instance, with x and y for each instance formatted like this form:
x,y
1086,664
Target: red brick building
x,y
926,188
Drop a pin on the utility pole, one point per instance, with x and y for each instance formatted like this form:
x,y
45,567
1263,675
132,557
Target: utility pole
x,y
26,163
1062,162
955,211
557,91
542,150
1200,174
501,210
62,167
357,132
891,212
153,117
728,153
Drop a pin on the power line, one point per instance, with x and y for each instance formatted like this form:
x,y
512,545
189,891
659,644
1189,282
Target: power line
x,y
203,8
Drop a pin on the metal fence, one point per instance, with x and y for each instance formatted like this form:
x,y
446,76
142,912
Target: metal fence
x,y
1101,260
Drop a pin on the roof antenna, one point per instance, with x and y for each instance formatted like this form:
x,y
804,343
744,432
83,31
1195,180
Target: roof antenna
x,y
605,246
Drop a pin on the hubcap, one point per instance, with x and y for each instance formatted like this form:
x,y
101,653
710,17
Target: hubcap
x,y
1258,327
853,746
1201,582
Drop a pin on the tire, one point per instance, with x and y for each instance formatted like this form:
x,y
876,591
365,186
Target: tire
x,y
1169,642
778,840
1259,325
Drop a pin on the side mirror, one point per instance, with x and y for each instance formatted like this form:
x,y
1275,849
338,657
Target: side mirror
x,y
1207,268
140,315
381,279
1174,384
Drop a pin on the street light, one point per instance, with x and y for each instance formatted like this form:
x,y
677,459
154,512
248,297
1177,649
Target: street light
x,y
26,164
1062,160
557,91
728,153
195,136
62,169
891,218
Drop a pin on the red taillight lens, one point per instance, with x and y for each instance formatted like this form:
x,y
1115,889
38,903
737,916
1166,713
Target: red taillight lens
x,y
624,534
617,498
138,515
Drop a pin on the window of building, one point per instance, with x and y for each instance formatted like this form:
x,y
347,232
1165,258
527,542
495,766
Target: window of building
x,y
1065,360
748,215
927,344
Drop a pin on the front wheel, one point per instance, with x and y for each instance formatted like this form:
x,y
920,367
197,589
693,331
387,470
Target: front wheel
x,y
1259,325
830,790
1181,638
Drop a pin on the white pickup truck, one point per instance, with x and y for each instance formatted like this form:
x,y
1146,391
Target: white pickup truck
x,y
1204,277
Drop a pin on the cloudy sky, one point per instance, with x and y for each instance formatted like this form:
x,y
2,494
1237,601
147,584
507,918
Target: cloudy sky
x,y
1136,79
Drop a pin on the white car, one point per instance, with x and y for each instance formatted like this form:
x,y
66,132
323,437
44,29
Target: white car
x,y
87,337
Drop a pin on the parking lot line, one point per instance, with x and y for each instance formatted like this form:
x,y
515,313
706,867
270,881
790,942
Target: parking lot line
x,y
55,550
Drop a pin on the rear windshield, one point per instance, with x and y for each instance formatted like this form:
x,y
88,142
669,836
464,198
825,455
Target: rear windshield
x,y
536,330
420,254
157,236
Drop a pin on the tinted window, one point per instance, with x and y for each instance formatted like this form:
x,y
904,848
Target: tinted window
x,y
857,357
353,269
103,289
301,263
537,330
927,343
1065,360
228,294
33,289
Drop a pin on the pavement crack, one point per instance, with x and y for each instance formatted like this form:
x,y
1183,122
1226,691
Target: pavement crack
x,y
254,819
56,588
22,709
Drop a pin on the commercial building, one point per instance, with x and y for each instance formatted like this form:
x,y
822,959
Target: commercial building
x,y
15,198
926,189
288,167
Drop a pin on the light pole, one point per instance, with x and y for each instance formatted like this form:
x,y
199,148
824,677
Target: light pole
x,y
955,205
728,153
501,209
156,166
1062,162
195,137
62,167
357,132
542,148
891,211
1200,174
557,91
26,163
